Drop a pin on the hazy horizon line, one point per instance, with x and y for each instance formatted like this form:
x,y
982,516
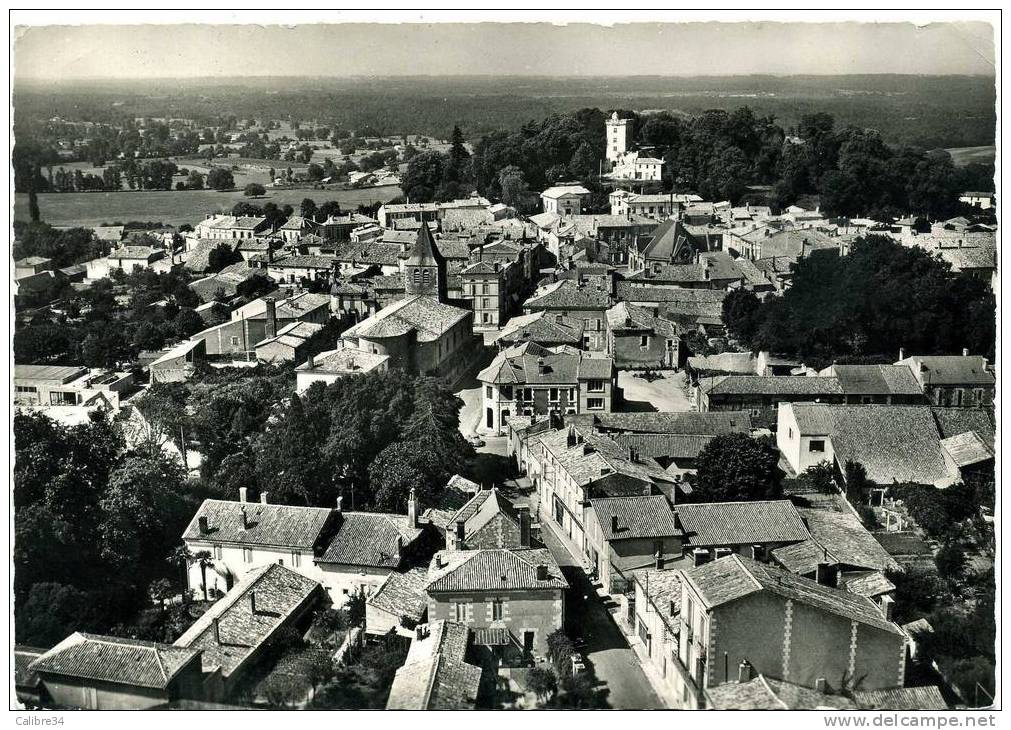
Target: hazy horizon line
x,y
121,79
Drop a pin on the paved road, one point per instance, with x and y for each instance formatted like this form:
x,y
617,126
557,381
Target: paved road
x,y
614,663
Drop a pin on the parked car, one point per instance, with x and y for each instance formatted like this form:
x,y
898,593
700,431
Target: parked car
x,y
475,441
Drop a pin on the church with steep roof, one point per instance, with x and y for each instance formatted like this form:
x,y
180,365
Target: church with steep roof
x,y
420,332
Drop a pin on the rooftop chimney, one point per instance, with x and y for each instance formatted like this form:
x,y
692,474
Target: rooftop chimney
x,y
202,521
311,362
965,352
570,440
340,500
902,353
820,685
533,418
888,607
745,672
412,508
614,523
542,572
263,497
252,602
271,317
700,556
659,559
245,519
242,494
524,516
439,562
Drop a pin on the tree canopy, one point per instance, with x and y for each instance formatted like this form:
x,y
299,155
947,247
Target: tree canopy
x,y
880,297
736,467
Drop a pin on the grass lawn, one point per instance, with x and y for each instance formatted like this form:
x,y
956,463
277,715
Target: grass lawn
x,y
964,155
175,207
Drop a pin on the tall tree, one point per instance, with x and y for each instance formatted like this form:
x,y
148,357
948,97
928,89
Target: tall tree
x,y
736,467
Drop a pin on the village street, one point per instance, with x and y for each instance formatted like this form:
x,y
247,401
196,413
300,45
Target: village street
x,y
607,651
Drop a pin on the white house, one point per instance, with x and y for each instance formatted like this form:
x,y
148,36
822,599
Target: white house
x,y
564,200
981,200
345,551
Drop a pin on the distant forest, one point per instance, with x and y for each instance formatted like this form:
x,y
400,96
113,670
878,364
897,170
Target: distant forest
x,y
923,111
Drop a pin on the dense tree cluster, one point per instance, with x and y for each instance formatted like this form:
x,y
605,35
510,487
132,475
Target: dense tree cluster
x,y
717,154
880,297
94,525
109,323
736,467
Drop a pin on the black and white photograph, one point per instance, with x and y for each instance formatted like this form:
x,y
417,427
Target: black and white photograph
x,y
505,360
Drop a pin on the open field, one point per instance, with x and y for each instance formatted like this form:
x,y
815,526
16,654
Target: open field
x,y
176,207
965,155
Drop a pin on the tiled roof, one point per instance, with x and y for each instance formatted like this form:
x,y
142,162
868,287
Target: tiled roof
x,y
637,517
766,693
279,593
370,539
531,364
293,334
876,379
481,509
870,584
459,490
663,587
267,524
505,569
951,369
625,316
728,579
893,443
664,445
595,456
784,385
435,675
560,190
712,423
430,318
344,360
294,307
741,523
670,240
324,263
901,698
568,294
725,362
967,449
368,252
23,657
113,659
402,594
543,327
630,292
846,539
955,421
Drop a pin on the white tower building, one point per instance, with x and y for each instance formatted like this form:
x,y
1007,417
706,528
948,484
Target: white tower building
x,y
617,137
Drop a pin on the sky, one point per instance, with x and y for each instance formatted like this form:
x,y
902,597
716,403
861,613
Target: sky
x,y
534,49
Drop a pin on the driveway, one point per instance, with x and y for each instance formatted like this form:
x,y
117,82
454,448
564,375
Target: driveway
x,y
607,651
664,394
